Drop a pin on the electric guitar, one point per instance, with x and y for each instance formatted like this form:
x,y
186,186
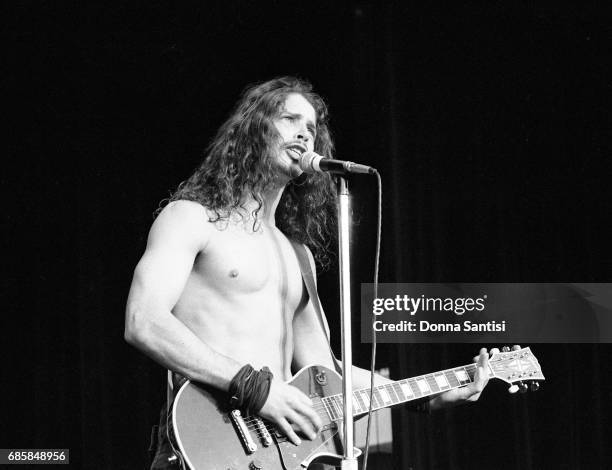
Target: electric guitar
x,y
208,435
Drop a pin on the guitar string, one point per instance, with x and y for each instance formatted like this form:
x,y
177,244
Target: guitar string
x,y
253,424
390,389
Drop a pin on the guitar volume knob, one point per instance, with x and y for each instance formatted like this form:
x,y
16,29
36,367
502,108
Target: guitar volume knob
x,y
255,465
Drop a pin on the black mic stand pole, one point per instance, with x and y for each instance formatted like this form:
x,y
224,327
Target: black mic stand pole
x,y
349,459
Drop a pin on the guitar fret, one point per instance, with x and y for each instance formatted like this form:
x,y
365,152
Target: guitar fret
x,y
385,395
362,407
326,408
338,404
441,381
433,385
365,395
355,404
462,376
416,391
423,386
334,407
398,391
392,393
406,389
452,378
378,401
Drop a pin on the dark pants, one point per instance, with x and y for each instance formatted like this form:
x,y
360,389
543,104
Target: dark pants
x,y
160,448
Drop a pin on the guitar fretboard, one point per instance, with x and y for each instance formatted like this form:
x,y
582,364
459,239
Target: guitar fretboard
x,y
401,391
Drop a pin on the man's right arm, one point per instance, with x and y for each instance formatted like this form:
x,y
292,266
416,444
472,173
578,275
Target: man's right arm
x,y
179,233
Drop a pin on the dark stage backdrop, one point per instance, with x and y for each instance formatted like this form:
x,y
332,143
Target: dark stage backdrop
x,y
491,128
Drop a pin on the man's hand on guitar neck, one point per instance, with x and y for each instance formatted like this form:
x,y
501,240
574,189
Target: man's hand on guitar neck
x,y
291,410
469,393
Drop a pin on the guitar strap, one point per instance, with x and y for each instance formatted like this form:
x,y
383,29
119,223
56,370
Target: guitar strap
x,y
311,288
421,405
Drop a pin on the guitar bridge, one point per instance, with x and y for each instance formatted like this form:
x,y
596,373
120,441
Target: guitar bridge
x,y
265,436
243,431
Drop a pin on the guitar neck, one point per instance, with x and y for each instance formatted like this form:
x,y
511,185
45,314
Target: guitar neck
x,y
403,391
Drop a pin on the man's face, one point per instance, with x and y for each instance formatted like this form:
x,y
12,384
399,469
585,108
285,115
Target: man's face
x,y
296,125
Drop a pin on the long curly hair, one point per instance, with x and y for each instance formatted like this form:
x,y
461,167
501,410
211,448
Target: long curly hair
x,y
239,165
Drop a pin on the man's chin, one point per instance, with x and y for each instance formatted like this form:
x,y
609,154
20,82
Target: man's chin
x,y
295,171
288,173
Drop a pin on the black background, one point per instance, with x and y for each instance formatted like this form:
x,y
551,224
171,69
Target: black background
x,y
489,124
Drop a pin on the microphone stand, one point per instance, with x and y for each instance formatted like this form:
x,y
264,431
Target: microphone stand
x,y
349,460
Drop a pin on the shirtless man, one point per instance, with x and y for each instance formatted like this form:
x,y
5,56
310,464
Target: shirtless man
x,y
219,285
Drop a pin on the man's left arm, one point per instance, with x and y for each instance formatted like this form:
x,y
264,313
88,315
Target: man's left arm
x,y
311,346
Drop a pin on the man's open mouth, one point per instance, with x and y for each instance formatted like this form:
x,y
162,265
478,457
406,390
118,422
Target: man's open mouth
x,y
295,153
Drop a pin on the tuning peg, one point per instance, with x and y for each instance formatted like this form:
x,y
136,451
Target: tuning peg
x,y
534,386
523,387
513,388
505,349
516,347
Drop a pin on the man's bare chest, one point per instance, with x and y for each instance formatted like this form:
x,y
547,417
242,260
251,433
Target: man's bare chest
x,y
241,262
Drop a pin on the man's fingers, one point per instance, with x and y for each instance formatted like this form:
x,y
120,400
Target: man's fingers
x,y
293,411
481,378
469,393
313,417
302,425
305,408
482,354
472,391
301,397
288,431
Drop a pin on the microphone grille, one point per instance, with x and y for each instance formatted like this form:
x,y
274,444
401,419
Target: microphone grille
x,y
306,162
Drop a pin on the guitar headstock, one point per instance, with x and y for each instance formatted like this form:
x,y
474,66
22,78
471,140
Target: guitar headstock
x,y
515,367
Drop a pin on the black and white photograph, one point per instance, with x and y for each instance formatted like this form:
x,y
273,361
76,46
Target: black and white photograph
x,y
307,235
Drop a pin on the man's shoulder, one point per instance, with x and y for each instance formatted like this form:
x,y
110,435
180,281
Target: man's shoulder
x,y
184,212
184,208
182,219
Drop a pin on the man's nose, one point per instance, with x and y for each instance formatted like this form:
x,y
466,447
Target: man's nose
x,y
302,134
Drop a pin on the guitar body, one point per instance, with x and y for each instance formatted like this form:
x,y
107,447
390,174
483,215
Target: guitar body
x,y
208,437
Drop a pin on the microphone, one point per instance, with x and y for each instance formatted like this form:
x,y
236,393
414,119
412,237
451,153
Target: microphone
x,y
311,162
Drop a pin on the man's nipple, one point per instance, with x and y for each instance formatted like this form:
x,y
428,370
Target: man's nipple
x,y
233,273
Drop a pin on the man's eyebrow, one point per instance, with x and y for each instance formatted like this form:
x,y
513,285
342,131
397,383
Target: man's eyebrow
x,y
300,116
